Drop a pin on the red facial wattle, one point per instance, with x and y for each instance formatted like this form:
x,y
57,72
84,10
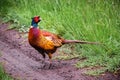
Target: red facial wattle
x,y
37,19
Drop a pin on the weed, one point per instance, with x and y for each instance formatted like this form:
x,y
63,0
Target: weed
x,y
3,74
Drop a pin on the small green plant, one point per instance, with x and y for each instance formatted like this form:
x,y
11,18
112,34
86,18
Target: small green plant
x,y
3,75
95,72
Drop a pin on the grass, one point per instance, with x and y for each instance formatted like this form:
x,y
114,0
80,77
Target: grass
x,y
89,20
3,75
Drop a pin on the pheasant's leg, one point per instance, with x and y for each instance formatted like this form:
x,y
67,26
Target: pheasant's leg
x,y
50,57
43,61
43,54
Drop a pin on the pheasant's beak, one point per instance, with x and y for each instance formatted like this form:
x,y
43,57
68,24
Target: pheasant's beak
x,y
40,19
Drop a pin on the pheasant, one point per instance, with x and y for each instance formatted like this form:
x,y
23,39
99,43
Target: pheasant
x,y
46,42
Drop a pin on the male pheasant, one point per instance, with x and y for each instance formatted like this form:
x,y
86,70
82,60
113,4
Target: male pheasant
x,y
46,42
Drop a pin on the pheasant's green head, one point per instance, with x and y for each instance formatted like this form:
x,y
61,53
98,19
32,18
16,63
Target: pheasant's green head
x,y
35,21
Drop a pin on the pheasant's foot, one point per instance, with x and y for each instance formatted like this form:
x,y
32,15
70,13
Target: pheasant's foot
x,y
43,61
50,66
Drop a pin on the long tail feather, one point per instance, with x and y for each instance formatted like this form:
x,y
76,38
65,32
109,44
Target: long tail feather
x,y
78,41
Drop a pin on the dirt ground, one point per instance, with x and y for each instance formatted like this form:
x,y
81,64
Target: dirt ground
x,y
23,62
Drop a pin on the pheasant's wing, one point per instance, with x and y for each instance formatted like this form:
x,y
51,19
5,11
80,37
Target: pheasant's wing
x,y
53,37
